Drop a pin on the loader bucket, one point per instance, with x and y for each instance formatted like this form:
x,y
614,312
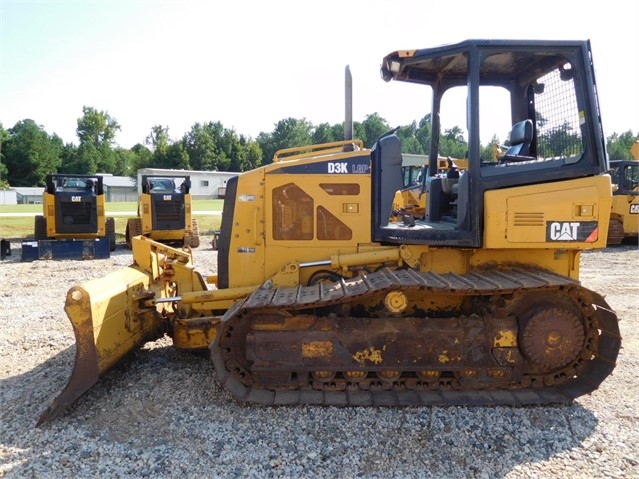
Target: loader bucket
x,y
109,321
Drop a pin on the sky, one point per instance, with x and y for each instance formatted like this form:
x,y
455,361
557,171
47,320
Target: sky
x,y
251,63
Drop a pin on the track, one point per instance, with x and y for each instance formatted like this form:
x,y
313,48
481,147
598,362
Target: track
x,y
322,314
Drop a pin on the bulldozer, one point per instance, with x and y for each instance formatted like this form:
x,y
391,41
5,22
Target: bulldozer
x,y
624,216
73,224
319,299
165,212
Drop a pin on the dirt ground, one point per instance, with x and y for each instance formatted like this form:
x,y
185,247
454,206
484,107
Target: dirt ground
x,y
188,408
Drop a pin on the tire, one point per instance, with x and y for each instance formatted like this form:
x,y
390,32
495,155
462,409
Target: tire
x,y
193,239
40,228
133,228
110,232
615,232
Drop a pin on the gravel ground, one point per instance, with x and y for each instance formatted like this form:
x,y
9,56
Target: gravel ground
x,y
162,414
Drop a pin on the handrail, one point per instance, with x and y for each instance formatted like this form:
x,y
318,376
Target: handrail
x,y
310,150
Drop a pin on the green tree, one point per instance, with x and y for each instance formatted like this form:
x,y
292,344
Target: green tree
x,y
142,157
288,133
159,142
4,136
200,144
30,153
374,126
96,131
325,133
558,141
618,146
253,157
452,143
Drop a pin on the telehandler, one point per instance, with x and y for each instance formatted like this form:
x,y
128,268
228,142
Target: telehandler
x,y
624,217
74,224
165,212
319,299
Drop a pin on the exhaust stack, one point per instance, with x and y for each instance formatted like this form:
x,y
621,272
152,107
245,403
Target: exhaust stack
x,y
348,104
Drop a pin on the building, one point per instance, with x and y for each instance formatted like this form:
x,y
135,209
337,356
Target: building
x,y
28,195
8,197
205,185
119,188
116,188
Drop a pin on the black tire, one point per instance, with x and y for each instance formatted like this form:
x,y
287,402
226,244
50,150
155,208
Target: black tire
x,y
110,232
133,228
40,228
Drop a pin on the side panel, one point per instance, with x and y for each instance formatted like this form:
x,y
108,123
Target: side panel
x,y
311,216
241,248
571,214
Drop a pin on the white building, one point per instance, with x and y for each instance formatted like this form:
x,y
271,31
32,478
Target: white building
x,y
205,185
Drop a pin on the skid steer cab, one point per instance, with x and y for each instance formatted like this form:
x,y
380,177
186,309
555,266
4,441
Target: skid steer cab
x,y
73,224
624,216
165,211
320,299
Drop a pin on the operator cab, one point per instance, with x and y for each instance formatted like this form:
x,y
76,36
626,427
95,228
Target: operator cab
x,y
551,120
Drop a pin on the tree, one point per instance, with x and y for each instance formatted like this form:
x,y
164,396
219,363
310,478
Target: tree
x,y
142,158
4,136
558,141
30,153
201,145
374,126
325,133
618,146
159,141
288,133
452,143
96,131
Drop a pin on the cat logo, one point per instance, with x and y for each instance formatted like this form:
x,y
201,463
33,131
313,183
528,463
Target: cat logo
x,y
76,199
586,231
166,197
634,209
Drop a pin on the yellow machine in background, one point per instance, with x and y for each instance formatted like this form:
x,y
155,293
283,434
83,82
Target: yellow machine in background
x,y
319,299
409,203
73,224
624,217
165,212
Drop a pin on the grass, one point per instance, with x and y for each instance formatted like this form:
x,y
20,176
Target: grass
x,y
16,227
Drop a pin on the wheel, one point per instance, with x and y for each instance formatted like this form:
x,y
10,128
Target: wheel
x,y
194,240
323,277
133,228
110,232
552,337
40,228
615,232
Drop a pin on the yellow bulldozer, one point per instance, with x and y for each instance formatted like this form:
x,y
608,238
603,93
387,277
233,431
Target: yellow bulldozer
x,y
624,217
165,212
319,299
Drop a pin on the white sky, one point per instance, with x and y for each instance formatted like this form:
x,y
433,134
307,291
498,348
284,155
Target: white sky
x,y
249,64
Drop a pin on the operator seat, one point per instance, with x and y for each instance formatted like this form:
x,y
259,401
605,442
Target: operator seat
x,y
521,136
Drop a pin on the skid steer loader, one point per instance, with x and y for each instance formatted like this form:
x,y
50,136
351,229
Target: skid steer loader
x,y
73,224
319,299
165,212
624,217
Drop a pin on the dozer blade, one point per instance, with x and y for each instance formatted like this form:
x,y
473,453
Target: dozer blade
x,y
108,322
